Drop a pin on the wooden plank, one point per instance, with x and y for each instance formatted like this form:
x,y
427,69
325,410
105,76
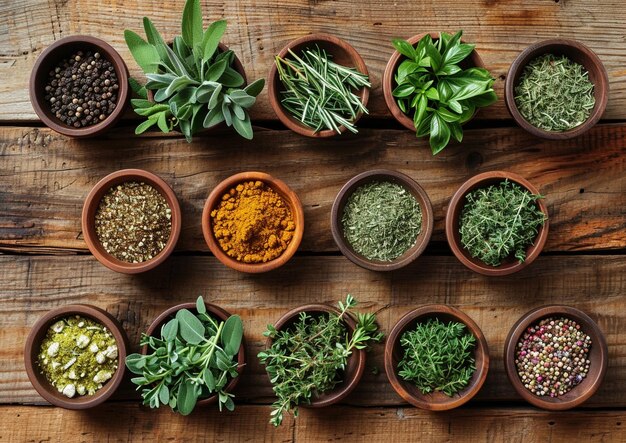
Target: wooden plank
x,y
45,178
129,422
30,286
258,29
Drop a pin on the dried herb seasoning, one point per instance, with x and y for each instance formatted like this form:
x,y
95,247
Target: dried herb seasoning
x,y
78,356
381,220
500,221
133,222
554,93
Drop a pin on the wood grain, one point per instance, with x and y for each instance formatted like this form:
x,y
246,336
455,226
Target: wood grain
x,y
30,286
258,29
45,178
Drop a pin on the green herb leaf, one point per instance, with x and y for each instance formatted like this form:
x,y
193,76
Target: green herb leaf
x,y
255,88
143,52
211,39
192,23
200,306
439,134
404,48
209,379
187,398
232,334
164,394
170,331
190,327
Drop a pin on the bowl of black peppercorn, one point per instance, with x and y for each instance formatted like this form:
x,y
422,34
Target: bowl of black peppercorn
x,y
79,86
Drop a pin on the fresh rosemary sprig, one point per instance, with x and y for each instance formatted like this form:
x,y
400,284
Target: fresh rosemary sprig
x,y
321,93
309,357
499,221
554,93
438,356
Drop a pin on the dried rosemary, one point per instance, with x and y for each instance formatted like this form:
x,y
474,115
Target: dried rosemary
x,y
381,220
554,93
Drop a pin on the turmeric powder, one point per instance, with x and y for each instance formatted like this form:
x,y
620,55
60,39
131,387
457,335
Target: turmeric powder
x,y
252,223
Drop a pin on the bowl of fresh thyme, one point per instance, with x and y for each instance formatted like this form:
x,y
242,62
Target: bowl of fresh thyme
x,y
319,86
436,357
497,223
382,220
557,89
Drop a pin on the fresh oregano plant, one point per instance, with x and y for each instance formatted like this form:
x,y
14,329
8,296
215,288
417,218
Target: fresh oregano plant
x,y
194,84
308,358
438,356
436,91
195,357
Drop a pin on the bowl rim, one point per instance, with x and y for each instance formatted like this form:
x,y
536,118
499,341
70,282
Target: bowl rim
x,y
220,313
92,202
278,186
123,92
390,70
291,122
481,349
453,212
591,328
356,359
543,47
33,341
410,185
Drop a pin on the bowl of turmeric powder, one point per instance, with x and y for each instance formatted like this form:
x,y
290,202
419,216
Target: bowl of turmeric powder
x,y
253,222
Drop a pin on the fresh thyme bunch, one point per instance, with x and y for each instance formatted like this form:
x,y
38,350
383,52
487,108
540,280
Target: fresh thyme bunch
x,y
308,358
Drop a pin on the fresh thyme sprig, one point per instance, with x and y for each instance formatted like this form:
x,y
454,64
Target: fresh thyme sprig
x,y
438,356
319,92
308,358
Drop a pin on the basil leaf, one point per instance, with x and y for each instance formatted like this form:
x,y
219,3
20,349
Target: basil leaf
x,y
457,131
403,90
187,398
439,134
448,116
232,333
435,57
404,48
191,329
420,111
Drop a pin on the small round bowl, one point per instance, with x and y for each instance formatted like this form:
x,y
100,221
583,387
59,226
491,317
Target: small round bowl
x,y
280,187
354,367
435,401
598,356
576,52
389,81
389,176
511,264
38,333
46,62
91,206
154,330
342,53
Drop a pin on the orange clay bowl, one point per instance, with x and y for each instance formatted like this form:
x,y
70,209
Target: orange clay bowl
x,y
91,206
435,401
342,53
280,187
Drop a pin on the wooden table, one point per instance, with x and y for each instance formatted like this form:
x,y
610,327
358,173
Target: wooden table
x,y
45,177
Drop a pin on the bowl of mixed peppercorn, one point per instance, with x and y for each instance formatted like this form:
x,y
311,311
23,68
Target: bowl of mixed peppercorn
x,y
555,357
79,86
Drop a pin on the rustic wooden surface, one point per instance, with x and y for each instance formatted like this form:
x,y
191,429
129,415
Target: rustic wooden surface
x,y
44,178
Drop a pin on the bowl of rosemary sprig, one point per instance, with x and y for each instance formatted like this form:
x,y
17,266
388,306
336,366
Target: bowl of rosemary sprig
x,y
319,86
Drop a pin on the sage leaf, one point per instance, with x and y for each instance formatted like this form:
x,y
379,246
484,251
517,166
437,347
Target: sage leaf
x,y
170,331
164,394
200,306
255,87
143,52
231,78
243,127
209,379
211,39
215,71
232,333
187,398
191,329
214,117
162,123
192,23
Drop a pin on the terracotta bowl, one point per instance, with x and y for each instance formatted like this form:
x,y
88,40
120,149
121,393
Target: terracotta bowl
x,y
217,312
436,401
576,52
389,82
511,264
342,53
38,333
354,367
91,206
280,187
46,62
598,357
394,177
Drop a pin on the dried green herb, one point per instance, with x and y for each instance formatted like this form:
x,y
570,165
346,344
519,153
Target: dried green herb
x,y
319,92
554,93
499,221
309,357
438,356
381,220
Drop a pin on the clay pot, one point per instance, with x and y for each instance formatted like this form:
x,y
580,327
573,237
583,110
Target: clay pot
x,y
91,206
46,62
290,198
575,51
32,349
511,264
435,401
383,175
342,53
598,356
